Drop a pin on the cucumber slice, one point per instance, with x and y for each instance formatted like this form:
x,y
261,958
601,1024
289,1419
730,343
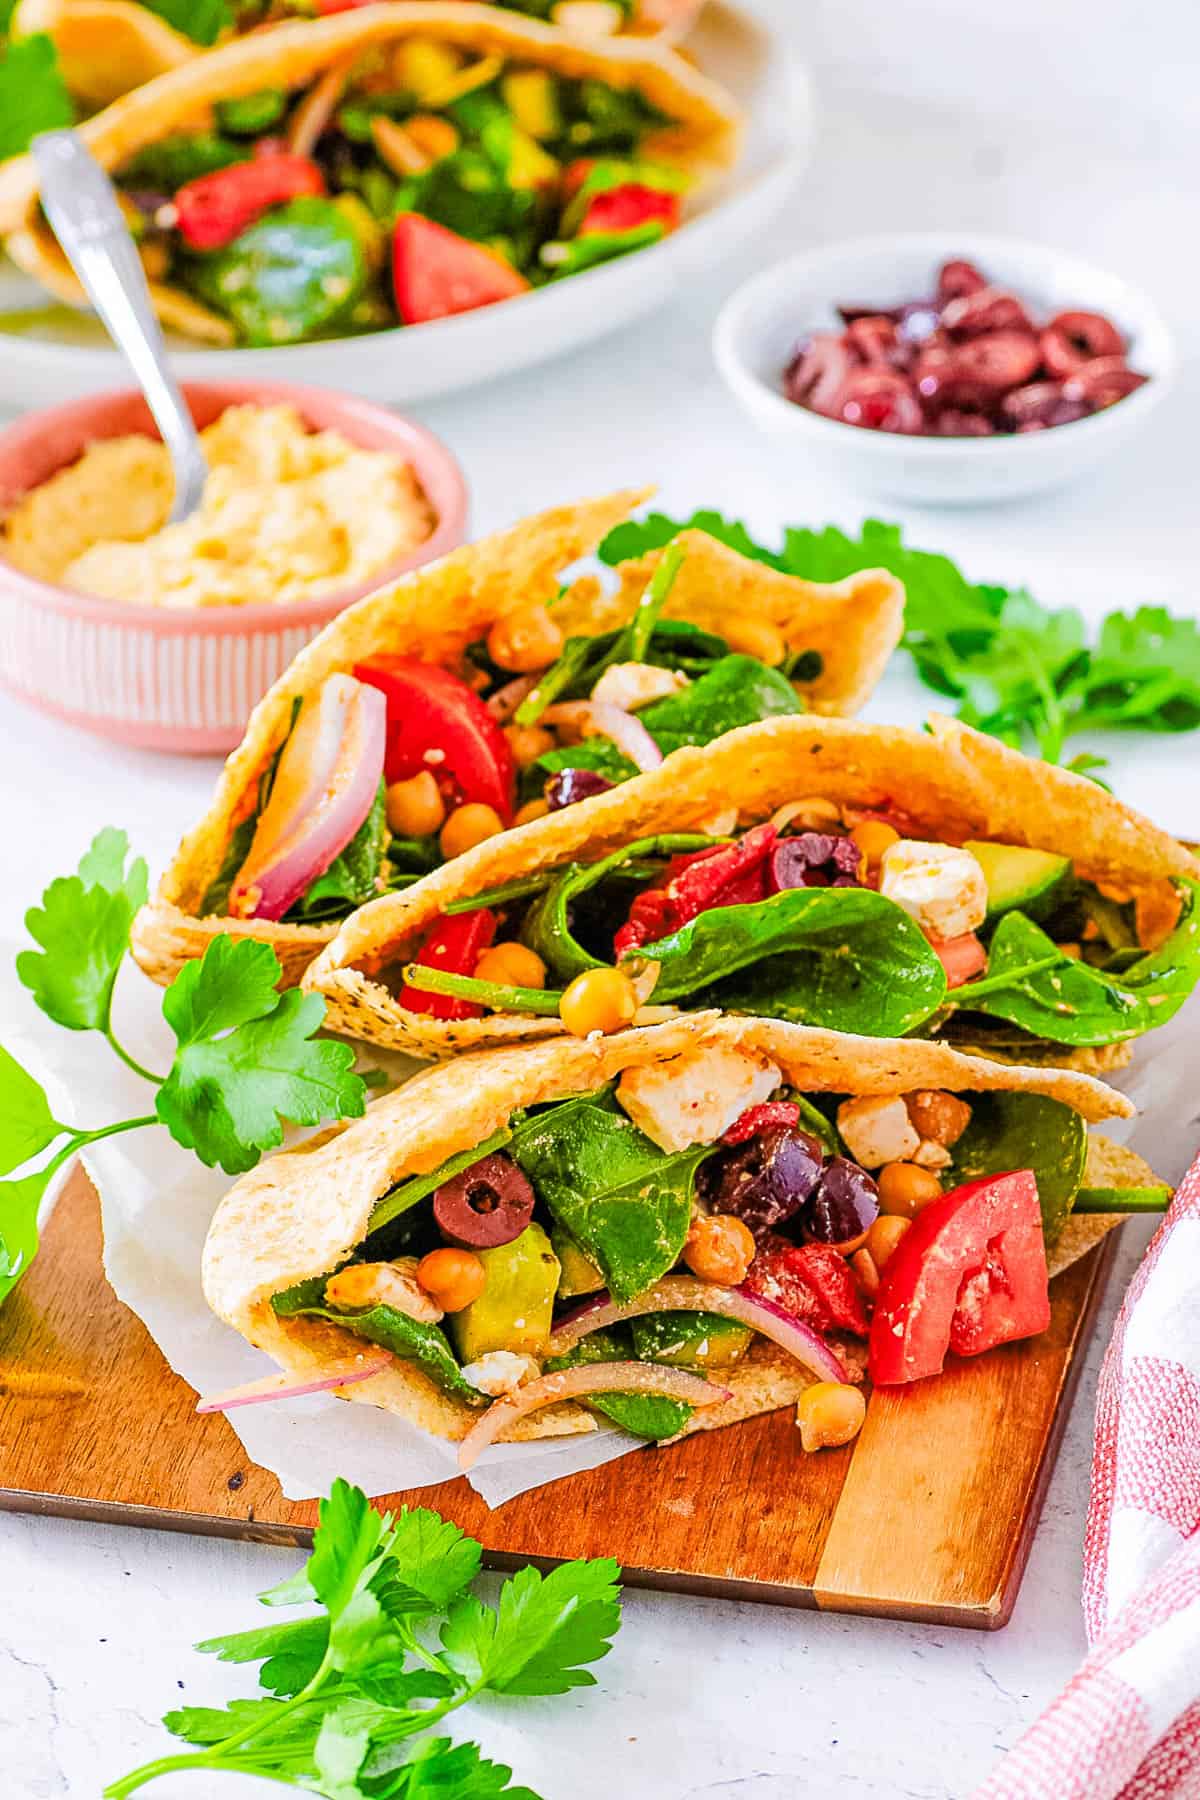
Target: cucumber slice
x,y
1020,878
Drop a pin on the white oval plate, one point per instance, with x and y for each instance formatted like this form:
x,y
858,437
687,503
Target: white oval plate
x,y
65,354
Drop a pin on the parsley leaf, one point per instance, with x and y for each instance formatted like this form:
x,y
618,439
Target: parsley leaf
x,y
83,927
439,1770
1017,669
19,1204
33,94
246,1059
544,1627
26,1123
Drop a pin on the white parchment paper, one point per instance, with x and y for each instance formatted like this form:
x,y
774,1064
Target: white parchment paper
x,y
157,1200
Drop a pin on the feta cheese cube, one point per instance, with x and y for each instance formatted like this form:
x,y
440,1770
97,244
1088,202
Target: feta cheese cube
x,y
940,886
697,1096
932,1155
500,1371
878,1130
633,684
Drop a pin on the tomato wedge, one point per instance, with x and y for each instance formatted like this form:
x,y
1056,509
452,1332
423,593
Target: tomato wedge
x,y
968,1275
962,957
436,722
453,945
436,273
626,207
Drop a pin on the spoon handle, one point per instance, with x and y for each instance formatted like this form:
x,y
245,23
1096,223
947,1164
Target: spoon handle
x,y
81,204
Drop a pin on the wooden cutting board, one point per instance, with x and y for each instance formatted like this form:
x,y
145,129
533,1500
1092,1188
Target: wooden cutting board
x,y
928,1516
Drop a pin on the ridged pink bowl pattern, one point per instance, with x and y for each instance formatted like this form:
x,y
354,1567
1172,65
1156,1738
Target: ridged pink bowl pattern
x,y
175,680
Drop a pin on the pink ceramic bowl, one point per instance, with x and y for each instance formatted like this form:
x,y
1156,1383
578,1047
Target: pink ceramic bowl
x,y
174,680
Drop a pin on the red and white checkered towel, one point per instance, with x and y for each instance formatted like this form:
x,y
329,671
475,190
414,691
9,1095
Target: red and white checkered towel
x,y
1128,1725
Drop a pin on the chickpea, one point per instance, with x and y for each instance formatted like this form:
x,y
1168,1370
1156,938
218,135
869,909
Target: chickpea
x,y
453,1277
829,1414
598,1000
873,837
512,965
866,1275
720,1248
756,637
937,1115
415,808
467,826
904,1188
528,742
524,640
883,1237
532,809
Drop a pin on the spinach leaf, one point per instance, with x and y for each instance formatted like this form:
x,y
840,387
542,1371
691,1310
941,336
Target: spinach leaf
x,y
626,1202
738,690
181,158
216,899
845,958
598,753
353,877
409,1339
548,924
1031,983
1025,1131
291,275
646,1415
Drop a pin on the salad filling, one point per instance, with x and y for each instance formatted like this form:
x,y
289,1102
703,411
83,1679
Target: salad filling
x,y
890,914
541,704
701,1213
385,174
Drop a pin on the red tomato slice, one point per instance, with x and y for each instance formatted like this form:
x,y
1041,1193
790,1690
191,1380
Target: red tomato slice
x,y
455,946
436,273
432,711
969,1274
626,207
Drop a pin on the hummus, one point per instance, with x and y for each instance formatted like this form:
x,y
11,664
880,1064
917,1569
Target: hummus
x,y
287,515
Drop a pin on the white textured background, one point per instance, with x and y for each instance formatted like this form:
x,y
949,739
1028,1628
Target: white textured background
x,y
1068,122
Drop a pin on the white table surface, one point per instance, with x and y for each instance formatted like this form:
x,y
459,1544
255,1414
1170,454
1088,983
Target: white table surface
x,y
701,1698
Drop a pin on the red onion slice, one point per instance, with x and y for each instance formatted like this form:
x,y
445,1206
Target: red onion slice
x,y
324,788
282,1387
626,732
589,1378
684,1293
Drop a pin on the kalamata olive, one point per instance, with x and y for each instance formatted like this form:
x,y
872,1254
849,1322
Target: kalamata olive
x,y
815,375
880,400
873,338
844,1203
1033,404
999,360
957,278
1101,382
848,314
940,383
1074,338
488,1204
814,859
990,309
764,1181
570,785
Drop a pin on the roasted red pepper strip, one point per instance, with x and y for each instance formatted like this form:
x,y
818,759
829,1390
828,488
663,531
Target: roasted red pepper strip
x,y
436,722
453,945
969,1274
812,1282
627,207
762,1118
214,209
730,875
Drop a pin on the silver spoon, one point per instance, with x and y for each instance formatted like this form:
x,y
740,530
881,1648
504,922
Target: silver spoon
x,y
81,204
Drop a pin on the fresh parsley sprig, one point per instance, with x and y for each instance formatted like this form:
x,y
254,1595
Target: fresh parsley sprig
x,y
399,1642
1017,669
245,1057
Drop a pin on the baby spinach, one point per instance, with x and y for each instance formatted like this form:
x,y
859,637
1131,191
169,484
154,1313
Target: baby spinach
x,y
738,690
1032,983
626,1202
845,958
289,276
548,924
646,1415
1025,1131
409,1339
